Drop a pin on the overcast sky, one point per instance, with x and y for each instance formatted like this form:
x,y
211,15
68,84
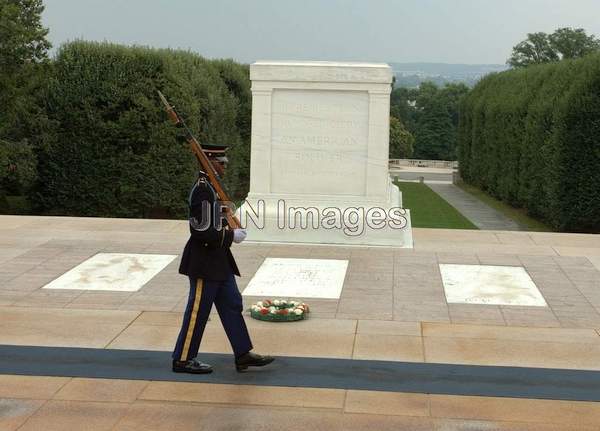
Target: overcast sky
x,y
449,31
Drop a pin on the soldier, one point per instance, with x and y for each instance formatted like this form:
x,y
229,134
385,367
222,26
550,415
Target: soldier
x,y
211,268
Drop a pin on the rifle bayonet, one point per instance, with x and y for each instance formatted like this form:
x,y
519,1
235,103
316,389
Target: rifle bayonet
x,y
207,166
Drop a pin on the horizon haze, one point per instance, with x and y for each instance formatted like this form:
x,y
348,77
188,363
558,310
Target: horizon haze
x,y
405,31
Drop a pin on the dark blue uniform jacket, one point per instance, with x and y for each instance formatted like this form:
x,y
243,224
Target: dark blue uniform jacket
x,y
207,254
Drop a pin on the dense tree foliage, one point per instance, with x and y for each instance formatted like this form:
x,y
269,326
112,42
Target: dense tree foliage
x,y
111,150
573,43
18,167
237,79
84,133
402,106
23,53
430,114
22,34
564,43
401,140
530,137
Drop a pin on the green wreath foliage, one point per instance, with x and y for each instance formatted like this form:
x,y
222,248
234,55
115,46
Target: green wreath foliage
x,y
279,310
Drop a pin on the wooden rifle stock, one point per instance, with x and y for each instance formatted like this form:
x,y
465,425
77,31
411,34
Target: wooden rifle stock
x,y
207,166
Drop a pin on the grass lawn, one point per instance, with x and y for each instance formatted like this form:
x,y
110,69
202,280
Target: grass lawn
x,y
517,214
428,209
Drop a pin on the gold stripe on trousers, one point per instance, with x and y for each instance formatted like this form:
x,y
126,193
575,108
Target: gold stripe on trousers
x,y
193,317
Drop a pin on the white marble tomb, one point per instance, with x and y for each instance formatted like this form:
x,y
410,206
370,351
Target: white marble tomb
x,y
319,157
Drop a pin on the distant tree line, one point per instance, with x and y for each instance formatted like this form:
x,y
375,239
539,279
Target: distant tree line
x,y
85,134
530,137
415,81
425,120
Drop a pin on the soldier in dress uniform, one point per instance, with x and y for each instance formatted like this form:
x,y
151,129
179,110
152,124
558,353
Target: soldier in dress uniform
x,y
211,269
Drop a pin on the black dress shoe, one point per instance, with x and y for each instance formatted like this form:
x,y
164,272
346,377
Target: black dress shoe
x,y
252,360
193,366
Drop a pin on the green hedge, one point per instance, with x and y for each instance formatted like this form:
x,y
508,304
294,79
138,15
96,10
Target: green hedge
x,y
236,77
110,149
531,137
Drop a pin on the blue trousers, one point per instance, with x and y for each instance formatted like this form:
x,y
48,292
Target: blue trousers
x,y
226,297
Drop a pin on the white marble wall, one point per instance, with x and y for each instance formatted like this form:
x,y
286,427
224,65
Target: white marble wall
x,y
320,137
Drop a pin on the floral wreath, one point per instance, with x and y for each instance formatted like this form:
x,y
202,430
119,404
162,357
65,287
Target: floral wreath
x,y
279,310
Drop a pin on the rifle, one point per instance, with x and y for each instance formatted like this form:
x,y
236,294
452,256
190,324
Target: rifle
x,y
207,166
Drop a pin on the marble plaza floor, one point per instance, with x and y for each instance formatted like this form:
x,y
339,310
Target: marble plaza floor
x,y
391,352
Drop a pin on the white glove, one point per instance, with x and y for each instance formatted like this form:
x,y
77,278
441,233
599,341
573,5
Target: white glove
x,y
239,235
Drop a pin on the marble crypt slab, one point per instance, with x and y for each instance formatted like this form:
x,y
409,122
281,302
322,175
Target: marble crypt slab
x,y
298,278
491,285
119,272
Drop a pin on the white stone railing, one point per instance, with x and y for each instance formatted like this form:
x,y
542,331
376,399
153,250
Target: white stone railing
x,y
444,164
